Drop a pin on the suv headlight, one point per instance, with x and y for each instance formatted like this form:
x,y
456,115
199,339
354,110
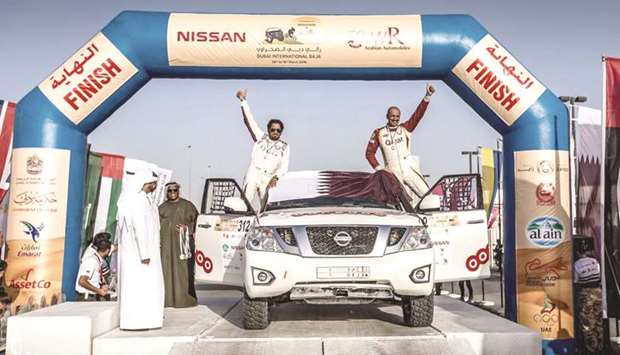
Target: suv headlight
x,y
263,239
416,239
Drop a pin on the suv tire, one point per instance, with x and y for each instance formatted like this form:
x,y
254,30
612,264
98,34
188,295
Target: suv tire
x,y
255,313
418,311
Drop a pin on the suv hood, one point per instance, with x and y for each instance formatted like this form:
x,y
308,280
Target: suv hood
x,y
338,216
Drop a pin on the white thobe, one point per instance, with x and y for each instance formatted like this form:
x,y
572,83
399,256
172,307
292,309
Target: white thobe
x,y
141,295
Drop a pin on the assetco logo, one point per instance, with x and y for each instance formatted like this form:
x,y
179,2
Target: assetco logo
x,y
26,283
481,257
545,194
34,165
204,262
545,232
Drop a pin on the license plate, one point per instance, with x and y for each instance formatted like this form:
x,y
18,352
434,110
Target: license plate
x,y
343,272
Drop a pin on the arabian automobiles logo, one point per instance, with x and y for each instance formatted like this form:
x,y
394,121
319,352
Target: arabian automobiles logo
x,y
545,232
32,231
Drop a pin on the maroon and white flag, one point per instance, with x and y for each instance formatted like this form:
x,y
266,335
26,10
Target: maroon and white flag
x,y
611,109
7,119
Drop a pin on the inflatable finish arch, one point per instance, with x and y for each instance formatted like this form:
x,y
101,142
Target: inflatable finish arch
x,y
54,119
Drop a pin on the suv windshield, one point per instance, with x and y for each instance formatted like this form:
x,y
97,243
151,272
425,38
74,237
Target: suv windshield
x,y
328,201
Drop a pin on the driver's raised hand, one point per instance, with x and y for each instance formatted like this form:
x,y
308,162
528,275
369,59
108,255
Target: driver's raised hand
x,y
242,94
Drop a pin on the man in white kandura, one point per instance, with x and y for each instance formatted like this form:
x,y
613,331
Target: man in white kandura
x,y
394,139
141,281
270,154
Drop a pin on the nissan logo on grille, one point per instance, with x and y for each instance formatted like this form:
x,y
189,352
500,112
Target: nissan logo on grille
x,y
342,238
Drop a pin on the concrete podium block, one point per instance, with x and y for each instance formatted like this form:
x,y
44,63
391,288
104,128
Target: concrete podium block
x,y
63,329
182,325
487,334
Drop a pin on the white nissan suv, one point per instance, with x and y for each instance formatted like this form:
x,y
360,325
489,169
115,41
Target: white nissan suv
x,y
344,238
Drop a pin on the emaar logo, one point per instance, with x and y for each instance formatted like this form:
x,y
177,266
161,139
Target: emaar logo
x,y
32,231
545,232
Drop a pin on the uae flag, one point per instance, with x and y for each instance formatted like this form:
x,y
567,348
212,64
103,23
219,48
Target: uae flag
x,y
93,180
7,118
611,107
109,190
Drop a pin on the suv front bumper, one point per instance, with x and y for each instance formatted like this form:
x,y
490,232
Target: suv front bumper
x,y
409,273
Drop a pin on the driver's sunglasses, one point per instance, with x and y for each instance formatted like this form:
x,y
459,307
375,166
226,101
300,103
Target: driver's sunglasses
x,y
275,130
173,190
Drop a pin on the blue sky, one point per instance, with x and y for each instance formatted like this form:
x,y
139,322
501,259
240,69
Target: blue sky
x,y
327,122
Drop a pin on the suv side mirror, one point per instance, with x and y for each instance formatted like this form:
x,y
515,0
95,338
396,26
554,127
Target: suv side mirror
x,y
430,202
235,204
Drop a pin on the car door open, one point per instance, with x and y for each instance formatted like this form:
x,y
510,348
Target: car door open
x,y
457,224
226,216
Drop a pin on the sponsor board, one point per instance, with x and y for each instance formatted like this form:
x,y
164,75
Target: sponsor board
x,y
544,281
294,41
498,79
36,225
88,78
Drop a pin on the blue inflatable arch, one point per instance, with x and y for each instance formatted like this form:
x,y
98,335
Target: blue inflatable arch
x,y
138,46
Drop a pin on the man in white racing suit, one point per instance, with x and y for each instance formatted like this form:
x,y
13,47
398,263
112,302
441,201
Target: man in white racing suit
x,y
270,154
395,142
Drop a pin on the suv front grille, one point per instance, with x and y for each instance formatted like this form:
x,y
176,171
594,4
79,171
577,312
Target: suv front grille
x,y
337,240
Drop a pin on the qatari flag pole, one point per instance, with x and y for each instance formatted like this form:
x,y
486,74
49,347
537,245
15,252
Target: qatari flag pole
x,y
611,168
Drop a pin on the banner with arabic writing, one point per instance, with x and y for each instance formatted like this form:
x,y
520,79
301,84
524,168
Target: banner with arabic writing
x,y
294,41
36,230
498,79
88,78
543,243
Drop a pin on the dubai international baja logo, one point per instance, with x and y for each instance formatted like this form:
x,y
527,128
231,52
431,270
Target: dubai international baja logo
x,y
34,165
32,231
545,232
545,194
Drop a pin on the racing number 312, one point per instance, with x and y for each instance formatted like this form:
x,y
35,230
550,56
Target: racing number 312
x,y
244,226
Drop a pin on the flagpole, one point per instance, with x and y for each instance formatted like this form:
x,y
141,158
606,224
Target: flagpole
x,y
602,186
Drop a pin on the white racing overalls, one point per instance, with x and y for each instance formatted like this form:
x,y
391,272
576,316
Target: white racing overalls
x,y
395,144
269,158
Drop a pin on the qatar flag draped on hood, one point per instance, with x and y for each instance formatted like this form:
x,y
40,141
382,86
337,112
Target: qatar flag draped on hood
x,y
381,186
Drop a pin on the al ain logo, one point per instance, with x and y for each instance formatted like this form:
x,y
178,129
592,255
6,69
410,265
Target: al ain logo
x,y
545,232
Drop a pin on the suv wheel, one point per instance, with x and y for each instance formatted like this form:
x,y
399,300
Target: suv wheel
x,y
418,311
255,313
